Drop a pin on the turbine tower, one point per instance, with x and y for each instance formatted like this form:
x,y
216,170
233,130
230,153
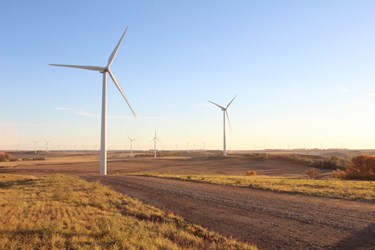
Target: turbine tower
x,y
46,145
131,146
225,114
155,139
35,143
104,71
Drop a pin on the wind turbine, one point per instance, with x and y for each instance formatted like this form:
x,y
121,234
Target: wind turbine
x,y
225,114
35,142
131,146
46,145
155,139
104,71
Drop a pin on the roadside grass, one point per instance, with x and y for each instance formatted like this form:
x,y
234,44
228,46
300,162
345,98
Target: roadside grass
x,y
65,212
331,188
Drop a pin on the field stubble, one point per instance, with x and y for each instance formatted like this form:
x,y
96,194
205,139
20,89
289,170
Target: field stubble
x,y
331,188
57,211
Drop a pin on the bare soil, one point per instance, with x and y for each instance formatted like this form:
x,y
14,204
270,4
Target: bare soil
x,y
268,220
192,164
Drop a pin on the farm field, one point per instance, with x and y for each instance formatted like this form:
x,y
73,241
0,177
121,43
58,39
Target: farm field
x,y
187,125
330,188
64,212
266,219
192,163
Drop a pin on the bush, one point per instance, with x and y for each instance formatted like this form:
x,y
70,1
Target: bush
x,y
38,159
314,161
361,168
5,157
34,159
251,173
312,173
333,163
339,174
295,158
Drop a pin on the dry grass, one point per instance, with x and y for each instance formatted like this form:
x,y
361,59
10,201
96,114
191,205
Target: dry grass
x,y
332,188
63,212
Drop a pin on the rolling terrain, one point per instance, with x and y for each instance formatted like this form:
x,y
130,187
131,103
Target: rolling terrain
x,y
267,219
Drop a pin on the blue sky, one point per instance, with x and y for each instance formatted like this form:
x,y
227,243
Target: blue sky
x,y
303,73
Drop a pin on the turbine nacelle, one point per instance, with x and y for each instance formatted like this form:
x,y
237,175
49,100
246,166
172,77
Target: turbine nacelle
x,y
104,70
225,115
225,109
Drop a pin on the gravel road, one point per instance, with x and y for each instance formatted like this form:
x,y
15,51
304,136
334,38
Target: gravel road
x,y
267,219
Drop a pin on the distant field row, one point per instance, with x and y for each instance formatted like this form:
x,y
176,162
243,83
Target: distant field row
x,y
332,188
64,212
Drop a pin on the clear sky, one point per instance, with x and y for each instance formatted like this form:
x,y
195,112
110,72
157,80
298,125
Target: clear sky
x,y
303,73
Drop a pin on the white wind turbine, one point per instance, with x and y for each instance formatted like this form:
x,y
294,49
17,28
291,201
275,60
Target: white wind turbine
x,y
131,145
225,114
46,145
35,143
104,71
155,139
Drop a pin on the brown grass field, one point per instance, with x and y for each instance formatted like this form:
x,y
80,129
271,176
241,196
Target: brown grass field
x,y
210,191
64,212
195,163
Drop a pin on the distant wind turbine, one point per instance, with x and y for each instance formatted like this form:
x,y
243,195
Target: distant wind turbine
x,y
155,139
35,143
225,114
131,146
104,71
46,145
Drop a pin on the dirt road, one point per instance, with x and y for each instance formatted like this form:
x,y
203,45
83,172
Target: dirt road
x,y
269,220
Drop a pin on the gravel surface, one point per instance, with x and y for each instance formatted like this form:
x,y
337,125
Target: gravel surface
x,y
267,219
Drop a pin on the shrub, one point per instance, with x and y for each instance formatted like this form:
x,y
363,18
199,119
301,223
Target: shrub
x,y
5,157
38,159
312,173
34,159
362,168
144,155
251,173
314,161
333,163
339,174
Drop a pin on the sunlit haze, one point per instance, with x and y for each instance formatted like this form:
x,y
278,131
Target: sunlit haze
x,y
303,73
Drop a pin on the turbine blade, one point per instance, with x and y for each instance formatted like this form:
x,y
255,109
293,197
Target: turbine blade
x,y
216,104
94,68
122,93
231,102
129,138
113,55
230,127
